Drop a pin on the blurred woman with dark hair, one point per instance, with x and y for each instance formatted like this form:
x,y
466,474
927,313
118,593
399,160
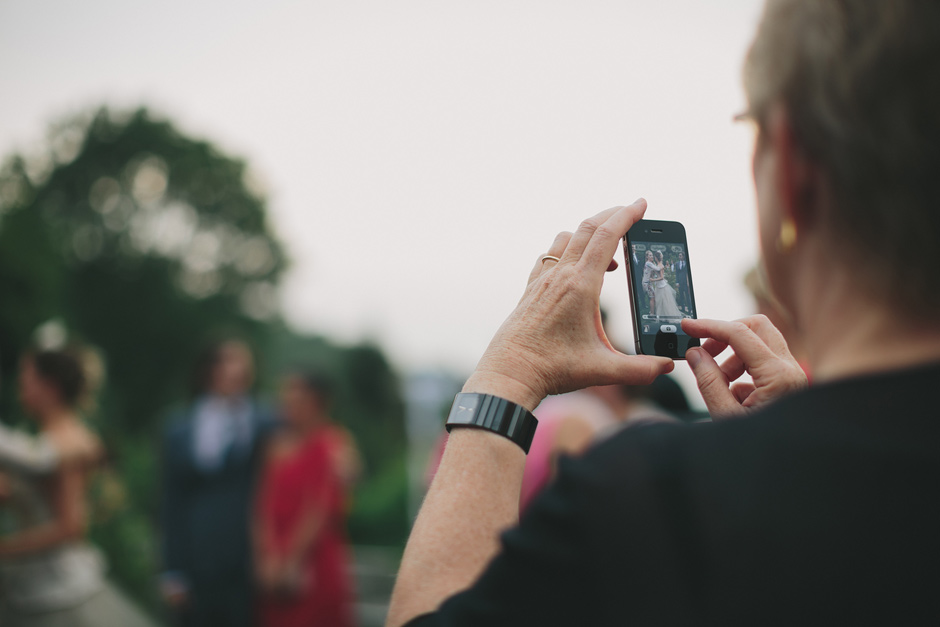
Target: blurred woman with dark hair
x,y
49,575
300,540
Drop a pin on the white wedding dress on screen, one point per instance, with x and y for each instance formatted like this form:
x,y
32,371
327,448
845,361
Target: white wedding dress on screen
x,y
666,306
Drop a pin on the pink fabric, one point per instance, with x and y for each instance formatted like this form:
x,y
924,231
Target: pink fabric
x,y
538,464
581,405
287,485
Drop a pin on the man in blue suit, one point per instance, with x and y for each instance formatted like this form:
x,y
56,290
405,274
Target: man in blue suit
x,y
211,452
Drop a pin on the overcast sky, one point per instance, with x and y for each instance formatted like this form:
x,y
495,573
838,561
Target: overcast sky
x,y
418,155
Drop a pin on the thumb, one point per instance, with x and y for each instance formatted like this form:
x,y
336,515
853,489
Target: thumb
x,y
713,384
636,369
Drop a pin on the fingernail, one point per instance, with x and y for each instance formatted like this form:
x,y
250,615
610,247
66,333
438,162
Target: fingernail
x,y
693,357
639,200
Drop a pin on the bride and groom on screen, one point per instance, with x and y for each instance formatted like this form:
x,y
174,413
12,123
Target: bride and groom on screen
x,y
662,296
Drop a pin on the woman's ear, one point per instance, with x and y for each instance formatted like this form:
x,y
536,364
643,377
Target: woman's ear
x,y
797,176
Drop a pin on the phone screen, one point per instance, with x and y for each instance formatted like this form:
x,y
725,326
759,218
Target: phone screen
x,y
661,286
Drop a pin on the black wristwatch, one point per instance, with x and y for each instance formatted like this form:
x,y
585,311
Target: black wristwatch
x,y
492,413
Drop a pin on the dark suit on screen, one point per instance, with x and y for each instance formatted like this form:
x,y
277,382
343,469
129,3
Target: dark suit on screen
x,y
681,268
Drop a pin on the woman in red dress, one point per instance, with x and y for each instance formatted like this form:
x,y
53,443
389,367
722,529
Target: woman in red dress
x,y
300,540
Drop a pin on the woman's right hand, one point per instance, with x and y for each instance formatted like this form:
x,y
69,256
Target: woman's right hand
x,y
554,342
759,349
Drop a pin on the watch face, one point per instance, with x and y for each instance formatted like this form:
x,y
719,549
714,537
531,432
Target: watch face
x,y
484,411
464,409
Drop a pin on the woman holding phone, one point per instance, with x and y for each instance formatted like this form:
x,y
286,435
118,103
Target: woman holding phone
x,y
816,505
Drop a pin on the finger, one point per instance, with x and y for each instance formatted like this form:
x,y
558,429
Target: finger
x,y
751,348
601,247
765,330
712,384
557,249
742,390
733,367
615,367
754,400
585,233
713,347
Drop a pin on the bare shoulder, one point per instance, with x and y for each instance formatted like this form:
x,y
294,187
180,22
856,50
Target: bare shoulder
x,y
76,444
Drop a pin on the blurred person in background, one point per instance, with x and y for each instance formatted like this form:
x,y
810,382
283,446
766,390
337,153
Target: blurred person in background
x,y
210,458
568,425
49,575
799,505
571,423
299,527
666,394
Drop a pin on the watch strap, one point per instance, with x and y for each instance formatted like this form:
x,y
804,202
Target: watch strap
x,y
492,413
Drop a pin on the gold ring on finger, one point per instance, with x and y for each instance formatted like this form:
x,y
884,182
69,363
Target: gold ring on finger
x,y
550,258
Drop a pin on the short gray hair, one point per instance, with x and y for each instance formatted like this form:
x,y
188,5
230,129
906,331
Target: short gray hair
x,y
860,80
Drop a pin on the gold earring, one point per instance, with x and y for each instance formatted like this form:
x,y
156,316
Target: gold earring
x,y
787,239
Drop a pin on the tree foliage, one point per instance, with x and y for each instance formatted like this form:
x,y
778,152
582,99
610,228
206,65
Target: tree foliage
x,y
140,239
144,242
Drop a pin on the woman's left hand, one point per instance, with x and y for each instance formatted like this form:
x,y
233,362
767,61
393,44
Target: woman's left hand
x,y
759,349
553,341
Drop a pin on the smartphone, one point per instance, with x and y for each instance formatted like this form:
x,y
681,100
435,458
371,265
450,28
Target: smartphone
x,y
660,281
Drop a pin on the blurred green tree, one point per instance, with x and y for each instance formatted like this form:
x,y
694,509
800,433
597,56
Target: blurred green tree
x,y
144,242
